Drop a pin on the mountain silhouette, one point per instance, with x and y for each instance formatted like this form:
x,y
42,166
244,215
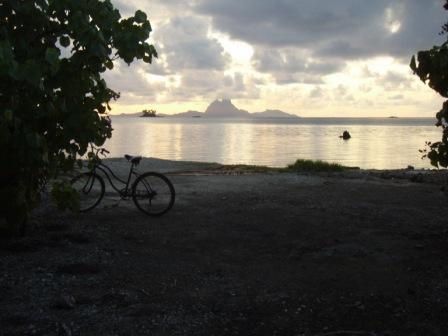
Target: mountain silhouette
x,y
224,108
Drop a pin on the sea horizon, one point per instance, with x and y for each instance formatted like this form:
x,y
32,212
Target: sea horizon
x,y
277,142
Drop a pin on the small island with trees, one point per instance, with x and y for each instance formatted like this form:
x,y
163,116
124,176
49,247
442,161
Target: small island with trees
x,y
149,114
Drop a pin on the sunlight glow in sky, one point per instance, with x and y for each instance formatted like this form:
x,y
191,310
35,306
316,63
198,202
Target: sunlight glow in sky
x,y
347,58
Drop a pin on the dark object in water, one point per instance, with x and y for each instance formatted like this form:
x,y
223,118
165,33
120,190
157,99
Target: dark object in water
x,y
346,135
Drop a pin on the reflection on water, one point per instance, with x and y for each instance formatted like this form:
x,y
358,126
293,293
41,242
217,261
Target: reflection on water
x,y
375,143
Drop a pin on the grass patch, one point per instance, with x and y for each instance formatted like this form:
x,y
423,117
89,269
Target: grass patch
x,y
316,166
299,165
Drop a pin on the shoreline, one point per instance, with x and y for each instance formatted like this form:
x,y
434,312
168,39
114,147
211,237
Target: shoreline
x,y
240,252
179,167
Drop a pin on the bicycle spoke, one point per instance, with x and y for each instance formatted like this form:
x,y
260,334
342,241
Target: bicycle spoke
x,y
153,194
90,188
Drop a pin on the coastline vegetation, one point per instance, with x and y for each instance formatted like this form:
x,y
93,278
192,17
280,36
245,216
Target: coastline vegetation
x,y
47,122
149,113
316,166
300,165
431,67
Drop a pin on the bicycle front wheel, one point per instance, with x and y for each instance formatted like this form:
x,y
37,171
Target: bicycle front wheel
x,y
153,194
90,188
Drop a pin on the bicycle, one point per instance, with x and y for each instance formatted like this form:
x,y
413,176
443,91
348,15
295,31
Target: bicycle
x,y
153,193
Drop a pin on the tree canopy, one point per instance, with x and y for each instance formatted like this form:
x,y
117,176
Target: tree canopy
x,y
149,113
53,98
432,68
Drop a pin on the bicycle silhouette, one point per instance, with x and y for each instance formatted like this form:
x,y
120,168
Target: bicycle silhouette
x,y
153,193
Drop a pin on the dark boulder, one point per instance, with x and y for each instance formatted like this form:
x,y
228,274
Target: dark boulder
x,y
346,135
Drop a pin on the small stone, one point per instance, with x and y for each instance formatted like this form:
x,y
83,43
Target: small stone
x,y
64,330
345,135
65,302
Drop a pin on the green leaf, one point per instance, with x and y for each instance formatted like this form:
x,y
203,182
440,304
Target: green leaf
x,y
109,64
8,115
52,57
64,41
140,17
65,196
413,65
31,72
6,55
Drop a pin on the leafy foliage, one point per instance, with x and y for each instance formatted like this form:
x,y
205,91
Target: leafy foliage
x,y
67,196
432,68
316,166
53,99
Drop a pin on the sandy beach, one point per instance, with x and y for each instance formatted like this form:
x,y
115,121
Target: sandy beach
x,y
241,253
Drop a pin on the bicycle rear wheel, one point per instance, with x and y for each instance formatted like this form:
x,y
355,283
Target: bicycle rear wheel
x,y
90,188
153,193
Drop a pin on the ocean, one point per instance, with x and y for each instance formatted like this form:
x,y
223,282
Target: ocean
x,y
376,143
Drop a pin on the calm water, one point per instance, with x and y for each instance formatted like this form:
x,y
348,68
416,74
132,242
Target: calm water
x,y
376,143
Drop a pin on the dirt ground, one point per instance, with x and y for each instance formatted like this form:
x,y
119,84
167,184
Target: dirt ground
x,y
239,254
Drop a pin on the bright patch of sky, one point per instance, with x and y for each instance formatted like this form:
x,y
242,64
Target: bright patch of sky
x,y
341,58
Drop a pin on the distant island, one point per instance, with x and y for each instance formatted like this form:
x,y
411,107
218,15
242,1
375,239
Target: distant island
x,y
220,108
149,114
224,108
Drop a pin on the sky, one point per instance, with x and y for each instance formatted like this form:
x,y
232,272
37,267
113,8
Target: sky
x,y
344,58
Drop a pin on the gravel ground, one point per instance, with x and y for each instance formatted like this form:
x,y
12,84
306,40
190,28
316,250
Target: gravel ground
x,y
240,253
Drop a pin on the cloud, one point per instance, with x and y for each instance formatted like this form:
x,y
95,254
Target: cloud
x,y
288,34
298,48
209,85
187,55
289,65
132,83
184,42
316,93
346,28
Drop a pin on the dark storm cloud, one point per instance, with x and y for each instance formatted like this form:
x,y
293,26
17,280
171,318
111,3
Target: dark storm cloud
x,y
339,30
284,22
419,25
310,24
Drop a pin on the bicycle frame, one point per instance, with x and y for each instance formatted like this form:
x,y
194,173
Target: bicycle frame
x,y
152,192
124,192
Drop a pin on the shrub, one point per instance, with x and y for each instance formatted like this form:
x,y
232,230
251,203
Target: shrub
x,y
316,166
53,98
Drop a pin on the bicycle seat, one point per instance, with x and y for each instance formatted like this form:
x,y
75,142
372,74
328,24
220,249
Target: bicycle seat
x,y
134,159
